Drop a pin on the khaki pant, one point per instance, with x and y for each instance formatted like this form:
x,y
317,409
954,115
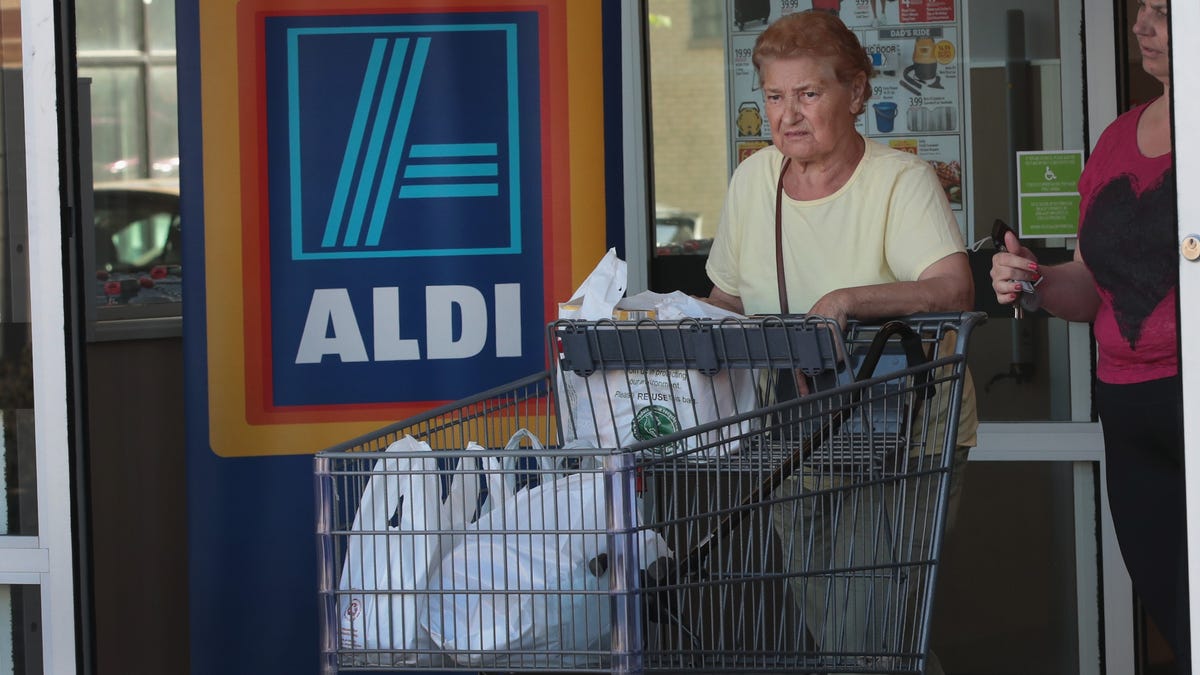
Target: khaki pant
x,y
854,547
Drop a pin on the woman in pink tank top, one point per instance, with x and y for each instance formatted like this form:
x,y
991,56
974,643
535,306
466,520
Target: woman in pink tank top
x,y
1124,279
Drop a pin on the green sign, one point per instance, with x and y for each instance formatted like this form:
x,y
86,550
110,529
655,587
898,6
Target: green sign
x,y
1049,215
1049,172
1048,192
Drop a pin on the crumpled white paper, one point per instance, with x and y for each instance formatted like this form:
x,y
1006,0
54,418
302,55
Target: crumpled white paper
x,y
600,292
676,305
604,288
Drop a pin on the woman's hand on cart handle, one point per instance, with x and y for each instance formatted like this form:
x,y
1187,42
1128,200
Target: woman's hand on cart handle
x,y
834,305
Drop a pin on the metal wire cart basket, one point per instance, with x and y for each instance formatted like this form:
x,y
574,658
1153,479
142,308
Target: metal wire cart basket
x,y
757,495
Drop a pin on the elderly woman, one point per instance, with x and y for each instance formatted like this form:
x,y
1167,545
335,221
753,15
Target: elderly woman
x,y
829,223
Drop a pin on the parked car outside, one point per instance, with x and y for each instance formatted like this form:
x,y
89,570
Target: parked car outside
x,y
138,246
676,230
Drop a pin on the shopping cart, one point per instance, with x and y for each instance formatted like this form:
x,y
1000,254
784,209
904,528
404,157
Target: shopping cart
x,y
780,508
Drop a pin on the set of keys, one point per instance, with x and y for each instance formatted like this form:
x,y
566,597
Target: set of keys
x,y
1029,300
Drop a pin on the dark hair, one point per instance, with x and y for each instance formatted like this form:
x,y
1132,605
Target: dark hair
x,y
818,35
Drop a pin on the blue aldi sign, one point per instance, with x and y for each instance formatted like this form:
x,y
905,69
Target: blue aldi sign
x,y
405,219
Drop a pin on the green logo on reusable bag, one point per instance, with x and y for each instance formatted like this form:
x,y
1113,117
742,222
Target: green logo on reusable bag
x,y
654,421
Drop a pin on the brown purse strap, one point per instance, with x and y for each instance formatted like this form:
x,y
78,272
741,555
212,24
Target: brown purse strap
x,y
783,299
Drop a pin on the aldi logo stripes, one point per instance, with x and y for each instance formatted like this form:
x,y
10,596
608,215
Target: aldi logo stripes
x,y
382,160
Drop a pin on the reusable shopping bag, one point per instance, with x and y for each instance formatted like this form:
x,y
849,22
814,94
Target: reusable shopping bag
x,y
617,408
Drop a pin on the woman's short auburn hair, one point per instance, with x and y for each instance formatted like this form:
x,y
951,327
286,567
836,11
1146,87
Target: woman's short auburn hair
x,y
818,35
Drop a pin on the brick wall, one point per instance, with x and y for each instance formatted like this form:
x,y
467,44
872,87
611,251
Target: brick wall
x,y
689,111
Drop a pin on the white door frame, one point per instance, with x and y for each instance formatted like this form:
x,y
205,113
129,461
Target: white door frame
x,y
47,559
1101,59
1185,86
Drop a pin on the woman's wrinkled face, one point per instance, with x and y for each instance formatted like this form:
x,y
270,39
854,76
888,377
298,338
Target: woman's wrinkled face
x,y
811,113
1150,29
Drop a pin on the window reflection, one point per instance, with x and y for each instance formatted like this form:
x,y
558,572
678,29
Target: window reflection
x,y
138,251
126,53
160,24
20,630
18,493
163,122
18,508
108,25
117,138
687,90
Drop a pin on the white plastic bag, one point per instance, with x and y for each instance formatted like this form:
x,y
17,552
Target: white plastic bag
x,y
617,408
543,467
387,554
517,571
399,533
537,584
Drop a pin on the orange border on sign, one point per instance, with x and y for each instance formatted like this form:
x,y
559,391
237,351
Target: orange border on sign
x,y
234,200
